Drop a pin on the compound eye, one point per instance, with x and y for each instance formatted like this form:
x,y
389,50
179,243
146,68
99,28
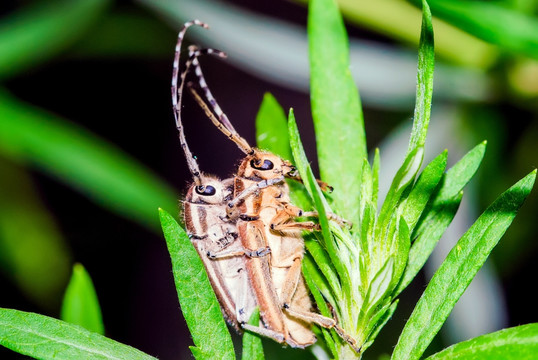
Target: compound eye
x,y
267,164
206,190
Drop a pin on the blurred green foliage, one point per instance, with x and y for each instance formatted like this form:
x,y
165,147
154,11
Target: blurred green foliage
x,y
498,38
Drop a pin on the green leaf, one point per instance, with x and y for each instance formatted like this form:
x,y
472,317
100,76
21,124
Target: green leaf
x,y
430,232
403,178
440,212
272,128
423,104
198,302
380,321
458,270
26,223
319,200
423,189
336,108
380,285
318,288
323,263
37,33
315,277
459,175
46,338
520,342
375,176
73,155
415,153
491,21
400,248
272,135
80,305
252,343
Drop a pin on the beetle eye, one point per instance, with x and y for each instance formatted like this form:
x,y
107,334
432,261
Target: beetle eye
x,y
267,164
206,190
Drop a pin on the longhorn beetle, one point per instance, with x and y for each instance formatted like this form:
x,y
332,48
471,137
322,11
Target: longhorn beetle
x,y
212,233
266,218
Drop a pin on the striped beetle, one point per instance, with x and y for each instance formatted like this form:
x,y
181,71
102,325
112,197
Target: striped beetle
x,y
266,217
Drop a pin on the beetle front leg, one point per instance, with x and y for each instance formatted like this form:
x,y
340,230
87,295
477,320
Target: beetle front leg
x,y
293,211
281,221
231,207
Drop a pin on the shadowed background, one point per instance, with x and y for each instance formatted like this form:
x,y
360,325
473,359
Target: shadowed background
x,y
88,149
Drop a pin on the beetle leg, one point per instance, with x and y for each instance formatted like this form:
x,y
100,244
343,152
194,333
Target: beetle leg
x,y
239,252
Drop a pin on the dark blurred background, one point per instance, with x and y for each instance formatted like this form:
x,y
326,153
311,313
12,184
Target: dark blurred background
x,y
89,151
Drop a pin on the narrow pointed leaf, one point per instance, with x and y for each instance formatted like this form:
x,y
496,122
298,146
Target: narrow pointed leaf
x,y
458,270
319,200
46,338
379,286
423,190
440,212
312,279
375,176
80,159
382,320
323,263
461,173
415,153
423,104
80,305
336,107
441,216
319,282
403,178
252,343
520,342
198,302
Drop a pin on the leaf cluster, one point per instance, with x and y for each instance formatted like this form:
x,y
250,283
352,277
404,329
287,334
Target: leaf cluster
x,y
356,273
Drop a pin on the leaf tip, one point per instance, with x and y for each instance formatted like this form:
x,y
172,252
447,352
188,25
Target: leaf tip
x,y
291,121
532,178
78,268
267,96
481,148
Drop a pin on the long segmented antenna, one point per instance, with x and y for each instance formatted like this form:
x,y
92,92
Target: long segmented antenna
x,y
210,98
175,70
223,119
191,161
238,140
194,53
177,94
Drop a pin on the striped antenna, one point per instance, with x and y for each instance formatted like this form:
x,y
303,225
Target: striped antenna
x,y
175,66
238,140
223,123
191,160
